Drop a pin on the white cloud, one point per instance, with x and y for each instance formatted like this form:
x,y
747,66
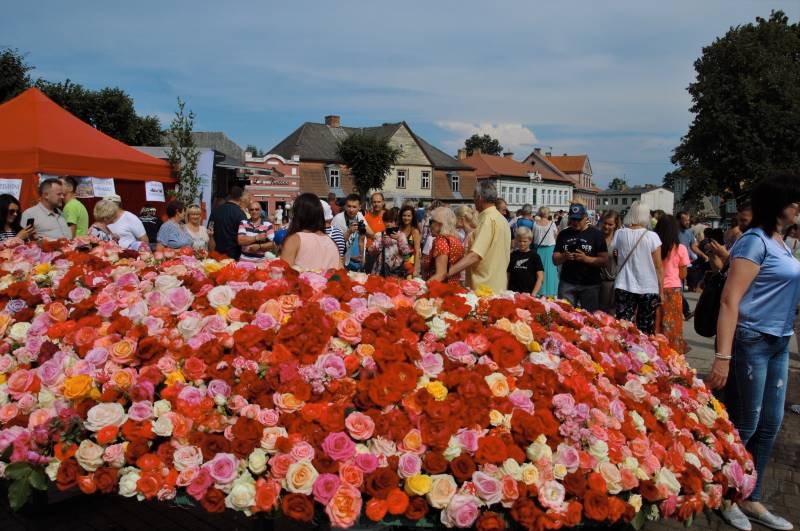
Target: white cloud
x,y
513,137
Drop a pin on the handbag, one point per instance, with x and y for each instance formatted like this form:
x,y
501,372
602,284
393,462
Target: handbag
x,y
622,265
706,313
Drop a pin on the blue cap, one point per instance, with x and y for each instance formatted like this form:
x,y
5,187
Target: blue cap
x,y
577,211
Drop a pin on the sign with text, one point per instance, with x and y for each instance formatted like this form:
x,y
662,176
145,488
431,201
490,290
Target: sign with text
x,y
103,187
154,191
85,188
11,186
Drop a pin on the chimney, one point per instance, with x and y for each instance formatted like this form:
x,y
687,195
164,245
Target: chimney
x,y
508,154
548,153
462,154
333,120
476,151
538,151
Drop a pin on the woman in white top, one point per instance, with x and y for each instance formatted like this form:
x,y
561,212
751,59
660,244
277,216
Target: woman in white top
x,y
202,238
639,284
544,239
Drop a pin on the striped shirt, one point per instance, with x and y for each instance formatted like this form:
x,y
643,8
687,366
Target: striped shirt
x,y
338,238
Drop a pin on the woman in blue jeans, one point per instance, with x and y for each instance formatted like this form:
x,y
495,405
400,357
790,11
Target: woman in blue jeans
x,y
755,325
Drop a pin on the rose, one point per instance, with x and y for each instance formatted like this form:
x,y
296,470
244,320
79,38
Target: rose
x,y
186,457
551,495
345,506
367,462
178,300
105,414
127,483
612,475
418,485
332,365
89,455
114,455
359,426
338,446
431,364
166,282
350,473
223,468
23,381
189,326
498,384
325,487
297,507
462,511
242,495
424,308
350,330
443,488
220,296
141,411
409,465
163,426
300,477
19,331
488,488
490,521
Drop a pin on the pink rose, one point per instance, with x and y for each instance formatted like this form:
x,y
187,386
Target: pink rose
x,y
551,495
521,399
179,299
458,351
329,304
325,487
462,511
268,417
468,440
332,365
140,411
51,373
488,489
264,321
302,450
279,465
114,455
192,395
478,343
185,477
568,456
359,426
96,357
8,412
220,296
223,468
409,465
431,364
187,457
200,484
218,388
345,507
339,446
366,462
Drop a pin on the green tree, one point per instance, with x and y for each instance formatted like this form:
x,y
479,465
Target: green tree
x,y
254,150
148,131
370,158
14,77
487,144
618,183
746,102
183,154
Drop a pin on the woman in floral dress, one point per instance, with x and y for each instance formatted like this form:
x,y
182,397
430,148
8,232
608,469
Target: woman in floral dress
x,y
447,248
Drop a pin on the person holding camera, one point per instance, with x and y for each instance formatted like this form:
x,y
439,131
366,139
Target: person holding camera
x,y
580,251
351,223
390,247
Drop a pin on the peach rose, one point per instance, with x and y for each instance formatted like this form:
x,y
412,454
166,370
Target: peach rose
x,y
498,384
89,455
23,381
300,477
350,330
359,426
105,414
443,488
345,506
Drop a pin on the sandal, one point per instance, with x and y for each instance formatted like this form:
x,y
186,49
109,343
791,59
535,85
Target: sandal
x,y
795,408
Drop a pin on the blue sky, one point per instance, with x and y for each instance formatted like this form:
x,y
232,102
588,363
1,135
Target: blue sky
x,y
604,78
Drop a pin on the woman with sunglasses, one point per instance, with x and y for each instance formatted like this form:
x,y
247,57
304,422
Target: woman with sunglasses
x,y
9,213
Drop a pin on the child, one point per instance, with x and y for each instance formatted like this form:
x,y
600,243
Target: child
x,y
525,270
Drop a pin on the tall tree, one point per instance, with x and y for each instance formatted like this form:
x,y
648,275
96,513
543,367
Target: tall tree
x,y
746,101
370,159
487,144
618,183
183,154
14,74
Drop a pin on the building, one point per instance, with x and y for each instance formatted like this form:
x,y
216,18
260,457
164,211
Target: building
x,y
578,169
422,172
273,180
519,183
655,197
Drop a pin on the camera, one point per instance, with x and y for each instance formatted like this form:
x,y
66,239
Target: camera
x,y
391,230
362,227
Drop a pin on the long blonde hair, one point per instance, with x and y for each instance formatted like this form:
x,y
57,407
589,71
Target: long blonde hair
x,y
468,214
445,216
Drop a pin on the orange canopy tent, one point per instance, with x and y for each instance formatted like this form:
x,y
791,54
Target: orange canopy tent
x,y
38,136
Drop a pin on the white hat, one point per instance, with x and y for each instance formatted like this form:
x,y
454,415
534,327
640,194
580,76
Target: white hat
x,y
326,210
114,197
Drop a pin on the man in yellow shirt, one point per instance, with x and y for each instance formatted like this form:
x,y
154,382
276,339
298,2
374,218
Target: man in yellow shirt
x,y
490,251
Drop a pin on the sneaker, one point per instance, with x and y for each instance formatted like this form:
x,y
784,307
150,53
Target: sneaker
x,y
767,519
734,517
795,408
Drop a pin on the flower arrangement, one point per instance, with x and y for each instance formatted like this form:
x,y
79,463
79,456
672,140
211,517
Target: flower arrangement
x,y
265,390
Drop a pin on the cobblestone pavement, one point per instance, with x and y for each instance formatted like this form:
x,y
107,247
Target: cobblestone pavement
x,y
114,513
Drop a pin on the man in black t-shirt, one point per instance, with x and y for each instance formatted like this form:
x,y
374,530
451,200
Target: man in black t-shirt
x,y
225,220
580,251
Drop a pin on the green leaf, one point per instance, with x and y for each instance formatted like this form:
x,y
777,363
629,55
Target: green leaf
x,y
37,479
18,494
639,520
19,470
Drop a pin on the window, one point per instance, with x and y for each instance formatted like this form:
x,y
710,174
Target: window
x,y
504,193
533,196
518,195
624,200
401,178
333,178
425,180
454,184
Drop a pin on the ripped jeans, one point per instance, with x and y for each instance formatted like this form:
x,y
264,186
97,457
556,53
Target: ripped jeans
x,y
756,391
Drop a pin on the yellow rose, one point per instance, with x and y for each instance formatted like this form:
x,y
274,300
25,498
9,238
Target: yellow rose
x,y
418,485
77,386
495,417
41,269
559,470
530,474
504,324
498,384
211,266
484,291
437,390
522,332
222,311
175,376
122,351
534,346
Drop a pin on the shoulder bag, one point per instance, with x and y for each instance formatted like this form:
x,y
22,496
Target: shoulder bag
x,y
622,265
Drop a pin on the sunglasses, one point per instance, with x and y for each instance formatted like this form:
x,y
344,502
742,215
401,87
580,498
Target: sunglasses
x,y
13,211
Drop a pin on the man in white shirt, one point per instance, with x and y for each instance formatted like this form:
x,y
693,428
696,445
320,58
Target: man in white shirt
x,y
348,221
46,214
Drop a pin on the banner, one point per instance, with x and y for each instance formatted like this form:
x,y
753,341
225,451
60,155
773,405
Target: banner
x,y
205,170
11,186
103,187
154,191
85,188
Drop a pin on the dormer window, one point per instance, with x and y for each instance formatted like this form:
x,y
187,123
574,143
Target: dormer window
x,y
455,185
333,176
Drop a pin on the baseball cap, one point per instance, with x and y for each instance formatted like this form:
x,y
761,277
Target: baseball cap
x,y
577,211
326,210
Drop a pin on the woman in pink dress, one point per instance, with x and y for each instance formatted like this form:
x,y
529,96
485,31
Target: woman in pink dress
x,y
675,260
307,247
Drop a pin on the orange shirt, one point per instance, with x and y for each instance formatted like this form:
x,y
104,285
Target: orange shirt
x,y
375,221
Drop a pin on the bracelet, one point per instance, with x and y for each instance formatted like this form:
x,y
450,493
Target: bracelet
x,y
722,356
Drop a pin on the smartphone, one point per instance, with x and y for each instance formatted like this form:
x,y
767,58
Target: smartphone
x,y
210,225
30,222
392,230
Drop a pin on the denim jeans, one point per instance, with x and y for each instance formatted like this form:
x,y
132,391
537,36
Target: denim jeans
x,y
756,391
585,296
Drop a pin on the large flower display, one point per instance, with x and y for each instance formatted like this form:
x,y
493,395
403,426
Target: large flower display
x,y
264,390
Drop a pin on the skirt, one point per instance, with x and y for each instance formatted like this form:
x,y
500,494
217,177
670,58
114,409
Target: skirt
x,y
550,284
671,322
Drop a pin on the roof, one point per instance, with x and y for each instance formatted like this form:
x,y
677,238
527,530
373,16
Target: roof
x,y
38,136
496,166
219,141
547,169
569,163
320,142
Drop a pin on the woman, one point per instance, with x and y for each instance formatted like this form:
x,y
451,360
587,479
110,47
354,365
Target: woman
x,y
306,245
173,233
753,331
675,259
202,237
525,269
446,249
390,248
544,237
638,286
256,237
466,223
410,227
9,213
608,273
104,211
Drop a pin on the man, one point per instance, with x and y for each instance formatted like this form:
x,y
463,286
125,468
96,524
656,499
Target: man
x,y
333,232
744,215
225,221
335,208
74,212
46,214
255,236
374,217
348,221
490,251
580,251
696,257
278,216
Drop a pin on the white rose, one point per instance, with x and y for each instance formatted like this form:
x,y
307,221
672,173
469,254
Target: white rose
x,y
186,457
538,451
599,450
438,327
530,474
19,331
127,483
666,478
46,398
105,414
257,461
453,449
242,495
52,469
89,455
166,282
511,468
635,501
220,296
189,326
163,427
160,407
443,488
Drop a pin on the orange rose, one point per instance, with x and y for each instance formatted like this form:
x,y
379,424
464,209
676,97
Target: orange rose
x,y
78,386
397,501
58,312
87,484
345,506
267,494
148,484
107,435
122,351
376,509
122,379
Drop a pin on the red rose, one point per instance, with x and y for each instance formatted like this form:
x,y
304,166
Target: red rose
x,y
212,444
616,508
106,479
67,475
434,463
490,521
573,515
506,351
575,484
417,508
213,501
381,482
525,512
135,450
462,468
194,368
649,491
595,506
247,429
491,449
297,507
148,485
